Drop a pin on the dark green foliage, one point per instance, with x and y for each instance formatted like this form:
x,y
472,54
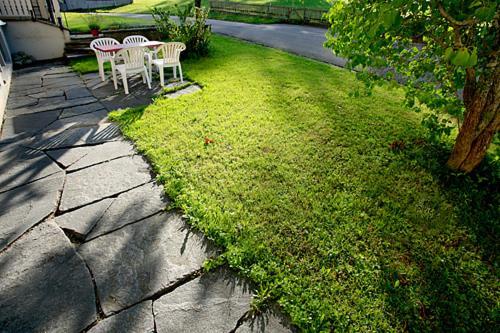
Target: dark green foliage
x,y
191,30
430,44
21,59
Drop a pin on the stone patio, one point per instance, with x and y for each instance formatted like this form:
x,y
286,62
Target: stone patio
x,y
87,240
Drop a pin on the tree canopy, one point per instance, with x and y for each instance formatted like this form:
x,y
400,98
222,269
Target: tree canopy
x,y
444,52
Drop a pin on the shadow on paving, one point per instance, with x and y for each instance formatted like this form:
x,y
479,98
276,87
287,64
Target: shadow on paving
x,y
107,283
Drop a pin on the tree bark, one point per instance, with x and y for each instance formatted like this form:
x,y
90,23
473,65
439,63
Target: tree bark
x,y
481,122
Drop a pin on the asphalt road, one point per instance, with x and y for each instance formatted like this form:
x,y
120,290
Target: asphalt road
x,y
302,40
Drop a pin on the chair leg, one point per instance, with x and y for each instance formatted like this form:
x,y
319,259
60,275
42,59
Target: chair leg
x,y
125,83
162,79
101,70
148,79
175,72
144,77
150,67
180,72
113,70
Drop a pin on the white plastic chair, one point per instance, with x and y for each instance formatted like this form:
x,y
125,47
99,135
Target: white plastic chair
x,y
102,57
171,58
150,54
133,63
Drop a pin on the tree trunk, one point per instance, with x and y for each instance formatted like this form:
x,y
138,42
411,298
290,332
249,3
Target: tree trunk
x,y
481,122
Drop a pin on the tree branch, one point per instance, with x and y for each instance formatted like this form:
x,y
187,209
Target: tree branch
x,y
452,20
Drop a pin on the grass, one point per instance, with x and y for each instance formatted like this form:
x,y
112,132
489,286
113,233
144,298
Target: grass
x,y
294,178
76,22
144,6
87,65
243,18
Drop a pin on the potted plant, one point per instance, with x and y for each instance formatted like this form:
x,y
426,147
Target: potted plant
x,y
94,29
93,21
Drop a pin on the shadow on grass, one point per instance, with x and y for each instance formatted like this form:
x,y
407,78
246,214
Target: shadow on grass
x,y
127,116
454,292
438,267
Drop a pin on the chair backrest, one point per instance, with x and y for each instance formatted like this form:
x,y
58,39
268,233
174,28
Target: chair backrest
x,y
135,39
102,42
172,51
133,57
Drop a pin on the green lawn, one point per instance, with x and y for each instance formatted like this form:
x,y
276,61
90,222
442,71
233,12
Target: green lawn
x,y
76,22
282,167
143,6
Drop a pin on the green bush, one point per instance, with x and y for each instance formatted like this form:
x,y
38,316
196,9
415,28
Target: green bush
x,y
191,30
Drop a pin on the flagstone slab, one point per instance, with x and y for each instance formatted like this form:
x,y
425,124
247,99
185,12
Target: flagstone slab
x,y
80,222
20,166
16,92
211,303
75,136
144,258
77,92
19,102
102,153
52,103
45,286
131,206
103,181
58,81
28,123
81,109
48,93
58,70
137,319
84,120
25,206
82,157
20,140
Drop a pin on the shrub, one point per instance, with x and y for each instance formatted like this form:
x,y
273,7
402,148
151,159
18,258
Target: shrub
x,y
191,30
93,21
21,59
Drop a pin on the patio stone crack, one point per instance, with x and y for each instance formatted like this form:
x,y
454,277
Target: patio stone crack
x,y
99,311
42,220
32,113
29,182
101,316
162,292
155,329
86,144
121,227
114,195
46,218
98,163
59,164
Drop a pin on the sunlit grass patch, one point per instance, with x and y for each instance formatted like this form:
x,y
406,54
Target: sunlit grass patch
x,y
300,182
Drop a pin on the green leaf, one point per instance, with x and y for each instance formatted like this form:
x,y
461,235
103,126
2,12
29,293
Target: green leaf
x,y
448,53
486,13
396,284
461,58
475,3
472,59
389,17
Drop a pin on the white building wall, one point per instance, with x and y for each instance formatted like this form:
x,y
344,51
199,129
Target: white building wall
x,y
40,40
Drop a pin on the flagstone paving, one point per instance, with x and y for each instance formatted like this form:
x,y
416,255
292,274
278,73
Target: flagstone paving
x,y
87,240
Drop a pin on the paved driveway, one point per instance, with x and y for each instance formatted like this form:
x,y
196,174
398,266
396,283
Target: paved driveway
x,y
302,40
